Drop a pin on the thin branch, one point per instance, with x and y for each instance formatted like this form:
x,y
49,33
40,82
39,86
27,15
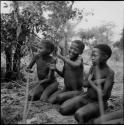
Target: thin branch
x,y
26,101
100,99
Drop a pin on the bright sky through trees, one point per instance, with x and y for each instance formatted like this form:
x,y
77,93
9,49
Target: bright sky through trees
x,y
104,11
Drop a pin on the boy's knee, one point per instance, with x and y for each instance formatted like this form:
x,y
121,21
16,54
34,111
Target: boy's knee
x,y
52,88
67,108
59,99
82,115
52,100
54,85
63,110
79,116
97,121
44,97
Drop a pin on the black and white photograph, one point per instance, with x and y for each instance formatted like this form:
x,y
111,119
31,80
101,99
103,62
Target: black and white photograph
x,y
62,62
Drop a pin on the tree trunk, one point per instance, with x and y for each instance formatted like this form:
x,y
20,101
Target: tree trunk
x,y
8,53
16,61
66,45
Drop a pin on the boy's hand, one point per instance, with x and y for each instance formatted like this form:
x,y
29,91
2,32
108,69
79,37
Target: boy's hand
x,y
28,70
53,66
90,78
59,53
99,81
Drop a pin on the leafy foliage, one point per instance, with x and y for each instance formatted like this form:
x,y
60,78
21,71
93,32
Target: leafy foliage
x,y
31,19
8,29
20,28
102,34
119,44
61,13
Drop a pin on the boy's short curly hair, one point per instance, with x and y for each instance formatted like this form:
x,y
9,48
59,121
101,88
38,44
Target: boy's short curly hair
x,y
80,45
49,45
105,49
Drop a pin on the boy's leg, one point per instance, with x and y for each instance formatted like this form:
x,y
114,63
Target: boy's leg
x,y
71,105
49,90
115,121
35,92
53,98
110,116
67,95
87,112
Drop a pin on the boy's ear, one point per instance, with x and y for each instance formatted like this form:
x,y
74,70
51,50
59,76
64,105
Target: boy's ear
x,y
106,56
81,51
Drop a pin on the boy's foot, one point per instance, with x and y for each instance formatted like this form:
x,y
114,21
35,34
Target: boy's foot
x,y
44,100
34,98
29,98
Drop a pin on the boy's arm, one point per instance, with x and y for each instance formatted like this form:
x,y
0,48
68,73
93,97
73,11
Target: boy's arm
x,y
108,84
92,83
70,62
95,83
53,67
61,73
48,78
32,63
86,76
86,82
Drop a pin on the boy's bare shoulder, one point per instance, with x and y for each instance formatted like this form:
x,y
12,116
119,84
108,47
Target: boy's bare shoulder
x,y
52,59
111,71
80,58
36,56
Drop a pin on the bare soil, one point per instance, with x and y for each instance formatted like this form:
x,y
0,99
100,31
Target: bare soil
x,y
13,98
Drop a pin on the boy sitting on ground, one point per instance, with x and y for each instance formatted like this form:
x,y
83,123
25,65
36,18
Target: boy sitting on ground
x,y
72,73
47,82
87,105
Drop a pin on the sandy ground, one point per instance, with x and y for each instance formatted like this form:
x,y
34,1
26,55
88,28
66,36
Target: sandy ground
x,y
12,104
13,98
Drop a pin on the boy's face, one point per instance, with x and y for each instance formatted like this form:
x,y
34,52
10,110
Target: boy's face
x,y
97,56
43,50
74,51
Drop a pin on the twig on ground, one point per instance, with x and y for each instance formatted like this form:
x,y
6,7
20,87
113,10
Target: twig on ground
x,y
18,84
26,101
